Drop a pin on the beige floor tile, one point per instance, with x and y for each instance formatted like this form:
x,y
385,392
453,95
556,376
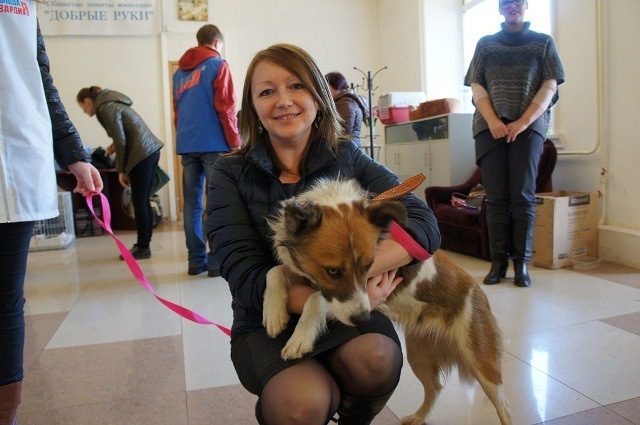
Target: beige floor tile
x,y
595,359
39,328
222,405
76,376
599,416
628,409
164,409
628,322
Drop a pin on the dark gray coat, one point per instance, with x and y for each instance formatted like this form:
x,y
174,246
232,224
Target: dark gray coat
x,y
133,140
352,109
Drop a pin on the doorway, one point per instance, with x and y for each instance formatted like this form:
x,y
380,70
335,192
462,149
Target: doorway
x,y
177,163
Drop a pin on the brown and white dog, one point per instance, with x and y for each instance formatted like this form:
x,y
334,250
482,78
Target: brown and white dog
x,y
329,235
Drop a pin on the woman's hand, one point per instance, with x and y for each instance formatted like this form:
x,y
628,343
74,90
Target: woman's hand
x,y
379,287
111,149
497,128
87,176
514,128
124,180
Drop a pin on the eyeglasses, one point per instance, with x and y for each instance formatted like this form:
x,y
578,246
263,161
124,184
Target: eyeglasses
x,y
506,3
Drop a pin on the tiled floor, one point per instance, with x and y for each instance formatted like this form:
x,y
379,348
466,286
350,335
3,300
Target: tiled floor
x,y
102,350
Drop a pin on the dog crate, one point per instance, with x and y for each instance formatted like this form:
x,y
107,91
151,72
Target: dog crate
x,y
58,232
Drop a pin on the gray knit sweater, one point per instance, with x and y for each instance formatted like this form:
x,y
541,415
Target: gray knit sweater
x,y
512,66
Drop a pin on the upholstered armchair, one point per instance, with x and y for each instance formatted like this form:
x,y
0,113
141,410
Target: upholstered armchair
x,y
464,230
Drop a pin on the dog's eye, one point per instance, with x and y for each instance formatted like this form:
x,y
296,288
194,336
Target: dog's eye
x,y
334,273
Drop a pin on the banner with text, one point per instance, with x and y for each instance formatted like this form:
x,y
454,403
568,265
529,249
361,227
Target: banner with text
x,y
117,17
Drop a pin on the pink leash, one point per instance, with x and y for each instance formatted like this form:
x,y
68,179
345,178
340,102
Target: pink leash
x,y
135,268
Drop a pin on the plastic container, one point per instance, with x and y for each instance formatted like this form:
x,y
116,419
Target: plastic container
x,y
394,115
586,263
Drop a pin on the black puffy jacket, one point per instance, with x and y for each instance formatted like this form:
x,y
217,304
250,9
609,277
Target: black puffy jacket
x,y
243,191
67,145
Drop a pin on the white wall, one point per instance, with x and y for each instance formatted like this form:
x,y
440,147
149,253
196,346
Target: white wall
x,y
608,121
419,41
338,34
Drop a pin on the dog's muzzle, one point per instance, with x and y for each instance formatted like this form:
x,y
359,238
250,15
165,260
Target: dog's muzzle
x,y
360,318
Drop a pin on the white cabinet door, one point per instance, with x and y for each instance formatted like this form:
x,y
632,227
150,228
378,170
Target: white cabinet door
x,y
439,147
440,165
420,160
399,159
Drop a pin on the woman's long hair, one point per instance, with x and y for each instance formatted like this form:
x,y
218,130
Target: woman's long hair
x,y
297,61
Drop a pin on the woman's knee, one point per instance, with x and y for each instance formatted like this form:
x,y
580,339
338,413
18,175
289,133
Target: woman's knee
x,y
370,363
308,395
384,358
298,407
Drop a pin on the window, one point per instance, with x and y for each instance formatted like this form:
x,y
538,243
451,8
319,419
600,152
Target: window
x,y
481,17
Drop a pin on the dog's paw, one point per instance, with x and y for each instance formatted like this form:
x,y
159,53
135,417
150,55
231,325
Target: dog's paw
x,y
413,420
275,315
275,321
296,348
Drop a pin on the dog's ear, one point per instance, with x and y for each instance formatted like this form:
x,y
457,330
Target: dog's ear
x,y
381,214
301,217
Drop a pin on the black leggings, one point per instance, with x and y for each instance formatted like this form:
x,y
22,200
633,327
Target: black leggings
x,y
141,177
14,248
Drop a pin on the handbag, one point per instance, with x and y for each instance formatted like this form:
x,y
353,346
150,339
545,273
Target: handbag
x,y
473,200
160,179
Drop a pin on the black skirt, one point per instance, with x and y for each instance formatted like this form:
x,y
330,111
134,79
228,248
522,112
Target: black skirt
x,y
256,356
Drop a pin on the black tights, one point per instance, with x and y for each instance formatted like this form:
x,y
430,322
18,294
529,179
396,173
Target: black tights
x,y
309,392
141,178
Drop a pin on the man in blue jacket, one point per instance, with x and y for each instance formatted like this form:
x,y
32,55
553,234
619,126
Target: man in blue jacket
x,y
204,106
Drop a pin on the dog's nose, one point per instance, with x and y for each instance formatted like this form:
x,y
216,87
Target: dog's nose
x,y
360,318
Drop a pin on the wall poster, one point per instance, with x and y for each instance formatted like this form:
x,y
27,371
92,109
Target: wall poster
x,y
99,17
193,10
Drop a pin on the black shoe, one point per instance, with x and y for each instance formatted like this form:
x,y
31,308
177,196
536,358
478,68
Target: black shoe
x,y
360,410
196,270
498,270
521,277
215,272
139,253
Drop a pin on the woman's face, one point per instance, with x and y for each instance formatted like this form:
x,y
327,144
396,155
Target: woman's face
x,y
285,107
512,11
88,107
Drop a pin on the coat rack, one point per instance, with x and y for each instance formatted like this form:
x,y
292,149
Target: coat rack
x,y
369,89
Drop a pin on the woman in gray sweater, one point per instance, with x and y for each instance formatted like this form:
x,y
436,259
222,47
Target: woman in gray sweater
x,y
514,76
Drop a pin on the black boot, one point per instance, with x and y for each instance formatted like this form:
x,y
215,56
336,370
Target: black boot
x,y
498,270
521,277
522,249
499,240
360,410
259,417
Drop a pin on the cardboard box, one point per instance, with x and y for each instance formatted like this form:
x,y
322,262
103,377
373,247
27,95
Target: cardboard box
x,y
566,228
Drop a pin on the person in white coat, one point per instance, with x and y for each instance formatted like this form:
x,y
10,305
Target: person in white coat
x,y
34,128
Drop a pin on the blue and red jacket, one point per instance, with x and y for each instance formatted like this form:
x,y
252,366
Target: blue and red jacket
x,y
204,103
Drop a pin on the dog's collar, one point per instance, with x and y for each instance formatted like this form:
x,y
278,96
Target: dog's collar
x,y
402,189
396,232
